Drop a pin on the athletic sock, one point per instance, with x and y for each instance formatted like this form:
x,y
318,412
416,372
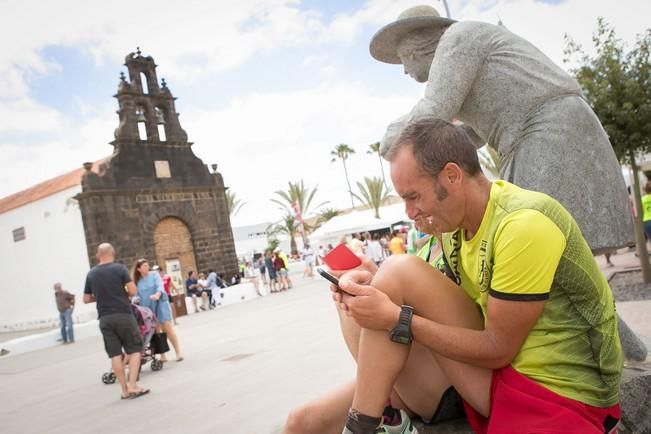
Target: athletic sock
x,y
358,423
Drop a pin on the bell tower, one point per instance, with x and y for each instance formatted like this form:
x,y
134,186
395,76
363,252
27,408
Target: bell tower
x,y
154,196
147,112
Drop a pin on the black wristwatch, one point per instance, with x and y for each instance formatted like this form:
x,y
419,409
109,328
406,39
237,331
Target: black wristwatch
x,y
401,333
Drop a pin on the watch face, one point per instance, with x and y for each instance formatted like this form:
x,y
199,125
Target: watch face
x,y
406,340
401,336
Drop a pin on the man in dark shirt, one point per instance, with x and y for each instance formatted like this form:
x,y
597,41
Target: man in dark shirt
x,y
192,287
105,284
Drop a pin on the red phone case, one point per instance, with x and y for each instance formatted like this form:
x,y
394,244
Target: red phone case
x,y
341,258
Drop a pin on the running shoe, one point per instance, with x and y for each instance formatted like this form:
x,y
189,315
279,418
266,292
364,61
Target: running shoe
x,y
405,426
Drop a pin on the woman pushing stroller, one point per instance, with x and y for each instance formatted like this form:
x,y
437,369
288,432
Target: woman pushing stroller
x,y
153,296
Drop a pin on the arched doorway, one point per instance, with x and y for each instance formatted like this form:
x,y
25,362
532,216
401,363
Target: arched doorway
x,y
174,250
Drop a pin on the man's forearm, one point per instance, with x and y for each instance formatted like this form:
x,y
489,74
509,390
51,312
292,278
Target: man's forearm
x,y
475,347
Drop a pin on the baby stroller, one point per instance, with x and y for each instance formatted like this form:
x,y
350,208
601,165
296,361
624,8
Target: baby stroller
x,y
147,323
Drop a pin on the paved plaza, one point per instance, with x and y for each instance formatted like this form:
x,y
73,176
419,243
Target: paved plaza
x,y
246,366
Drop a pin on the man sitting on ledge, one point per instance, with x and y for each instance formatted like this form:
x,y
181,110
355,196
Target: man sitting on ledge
x,y
524,330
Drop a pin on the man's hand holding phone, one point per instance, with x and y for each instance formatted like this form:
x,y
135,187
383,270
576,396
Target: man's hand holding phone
x,y
350,276
368,306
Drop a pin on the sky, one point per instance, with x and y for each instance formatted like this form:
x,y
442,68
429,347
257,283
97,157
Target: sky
x,y
266,89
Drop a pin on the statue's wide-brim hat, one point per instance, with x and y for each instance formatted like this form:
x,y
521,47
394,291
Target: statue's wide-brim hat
x,y
384,45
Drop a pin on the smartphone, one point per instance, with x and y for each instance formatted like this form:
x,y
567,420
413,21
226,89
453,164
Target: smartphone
x,y
332,279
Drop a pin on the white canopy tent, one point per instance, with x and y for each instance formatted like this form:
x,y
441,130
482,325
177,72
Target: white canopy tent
x,y
359,221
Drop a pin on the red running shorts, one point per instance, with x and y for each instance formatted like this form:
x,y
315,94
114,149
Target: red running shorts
x,y
520,405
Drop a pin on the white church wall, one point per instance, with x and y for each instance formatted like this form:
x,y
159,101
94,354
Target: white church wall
x,y
54,250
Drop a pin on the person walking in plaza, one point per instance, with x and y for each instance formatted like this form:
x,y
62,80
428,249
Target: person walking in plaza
x,y
356,244
105,285
374,250
281,271
308,260
252,275
66,305
153,296
412,240
193,290
214,286
263,269
522,325
284,271
397,244
271,269
167,286
202,281
646,210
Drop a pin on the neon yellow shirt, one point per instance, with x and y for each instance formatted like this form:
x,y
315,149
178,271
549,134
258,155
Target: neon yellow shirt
x,y
528,247
646,207
397,246
425,253
283,256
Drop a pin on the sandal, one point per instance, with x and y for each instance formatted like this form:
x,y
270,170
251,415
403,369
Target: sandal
x,y
138,394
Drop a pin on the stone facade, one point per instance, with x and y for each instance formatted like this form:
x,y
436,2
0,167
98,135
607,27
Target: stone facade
x,y
153,197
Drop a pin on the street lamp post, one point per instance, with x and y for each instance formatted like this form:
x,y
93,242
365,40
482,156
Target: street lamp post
x,y
447,9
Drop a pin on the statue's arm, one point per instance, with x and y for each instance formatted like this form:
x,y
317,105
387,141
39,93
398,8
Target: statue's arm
x,y
477,140
456,65
458,60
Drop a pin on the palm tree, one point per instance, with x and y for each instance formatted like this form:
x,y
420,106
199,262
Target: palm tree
x,y
233,203
490,160
286,226
300,196
342,152
374,192
374,148
328,213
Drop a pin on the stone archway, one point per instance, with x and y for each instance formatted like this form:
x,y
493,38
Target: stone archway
x,y
174,250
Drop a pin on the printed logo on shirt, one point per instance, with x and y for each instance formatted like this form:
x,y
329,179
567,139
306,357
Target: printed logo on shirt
x,y
484,277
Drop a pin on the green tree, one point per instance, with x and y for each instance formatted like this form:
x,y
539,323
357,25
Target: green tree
x,y
233,203
272,242
285,226
342,152
301,195
374,148
328,213
490,160
617,84
374,193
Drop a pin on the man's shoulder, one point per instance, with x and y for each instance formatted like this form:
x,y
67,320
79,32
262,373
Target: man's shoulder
x,y
110,268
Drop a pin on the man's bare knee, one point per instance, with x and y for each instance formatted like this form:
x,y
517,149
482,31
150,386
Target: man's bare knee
x,y
301,421
296,421
391,277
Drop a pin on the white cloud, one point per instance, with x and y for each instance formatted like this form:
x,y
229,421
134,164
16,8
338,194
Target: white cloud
x,y
67,144
261,141
24,116
217,35
544,24
345,27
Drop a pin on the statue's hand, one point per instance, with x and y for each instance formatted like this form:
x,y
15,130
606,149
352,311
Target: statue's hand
x,y
392,134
